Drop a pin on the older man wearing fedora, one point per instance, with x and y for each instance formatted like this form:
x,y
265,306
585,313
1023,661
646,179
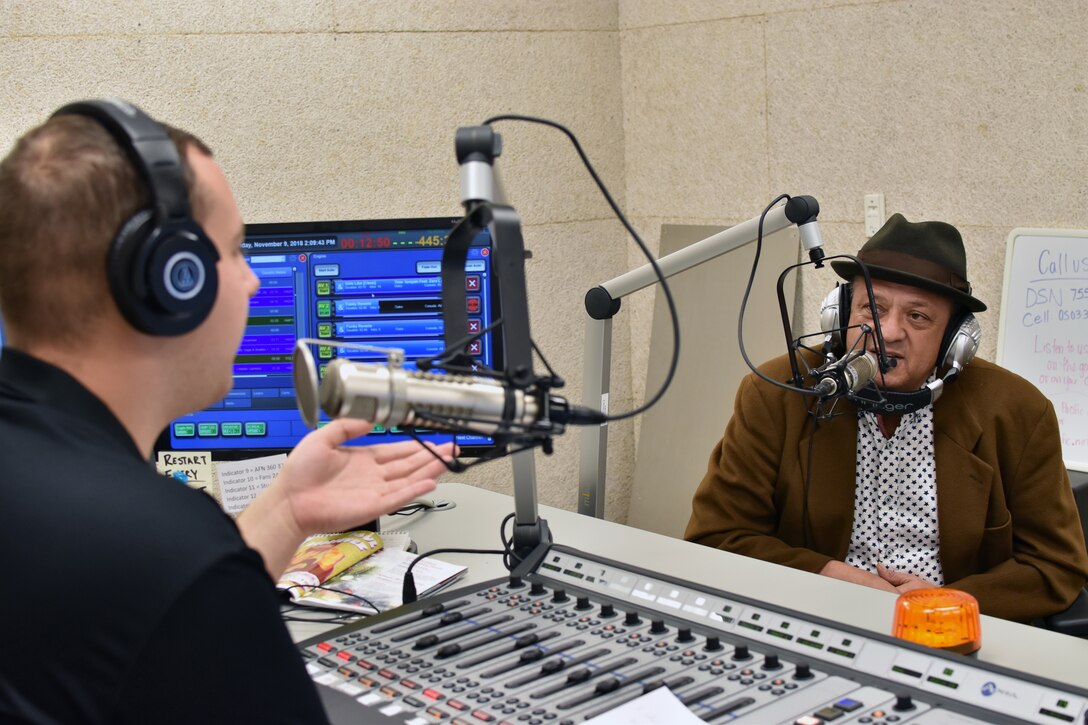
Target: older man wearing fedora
x,y
968,492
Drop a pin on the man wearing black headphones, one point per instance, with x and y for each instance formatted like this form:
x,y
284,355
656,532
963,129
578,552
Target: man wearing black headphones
x,y
129,597
969,492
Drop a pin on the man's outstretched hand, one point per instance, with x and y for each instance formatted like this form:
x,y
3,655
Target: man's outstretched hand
x,y
326,486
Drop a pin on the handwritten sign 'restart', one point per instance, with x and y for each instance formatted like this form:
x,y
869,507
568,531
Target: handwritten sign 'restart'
x,y
1044,326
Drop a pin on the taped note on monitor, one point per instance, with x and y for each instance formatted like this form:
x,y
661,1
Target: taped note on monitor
x,y
241,481
194,468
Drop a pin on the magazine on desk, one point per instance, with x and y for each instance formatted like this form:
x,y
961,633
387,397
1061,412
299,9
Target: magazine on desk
x,y
374,584
323,556
360,571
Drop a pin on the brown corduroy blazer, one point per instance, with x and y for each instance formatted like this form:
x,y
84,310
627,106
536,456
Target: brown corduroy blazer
x,y
1009,530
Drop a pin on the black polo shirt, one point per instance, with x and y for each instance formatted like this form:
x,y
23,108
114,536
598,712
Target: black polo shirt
x,y
125,596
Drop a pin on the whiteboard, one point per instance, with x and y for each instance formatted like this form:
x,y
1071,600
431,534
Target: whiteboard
x,y
1043,333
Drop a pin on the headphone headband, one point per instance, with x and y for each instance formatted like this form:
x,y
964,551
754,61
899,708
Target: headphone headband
x,y
160,264
148,146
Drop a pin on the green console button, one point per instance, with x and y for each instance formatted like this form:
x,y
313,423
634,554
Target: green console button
x,y
184,430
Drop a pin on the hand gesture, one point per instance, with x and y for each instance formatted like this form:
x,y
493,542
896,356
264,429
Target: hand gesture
x,y
326,486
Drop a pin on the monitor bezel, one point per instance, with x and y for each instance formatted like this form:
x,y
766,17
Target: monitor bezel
x,y
162,444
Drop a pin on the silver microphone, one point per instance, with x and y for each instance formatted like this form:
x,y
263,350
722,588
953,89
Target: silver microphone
x,y
395,396
389,395
848,375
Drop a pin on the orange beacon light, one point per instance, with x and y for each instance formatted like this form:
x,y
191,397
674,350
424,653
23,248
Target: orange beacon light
x,y
942,618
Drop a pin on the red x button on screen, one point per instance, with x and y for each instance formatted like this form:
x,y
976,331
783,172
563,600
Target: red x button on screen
x,y
473,325
472,283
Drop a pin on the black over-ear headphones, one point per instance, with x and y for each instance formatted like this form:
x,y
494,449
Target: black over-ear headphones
x,y
958,347
161,264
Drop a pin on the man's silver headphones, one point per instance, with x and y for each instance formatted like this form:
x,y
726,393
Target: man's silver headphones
x,y
958,348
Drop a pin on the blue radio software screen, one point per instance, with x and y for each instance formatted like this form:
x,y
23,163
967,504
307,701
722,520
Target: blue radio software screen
x,y
340,281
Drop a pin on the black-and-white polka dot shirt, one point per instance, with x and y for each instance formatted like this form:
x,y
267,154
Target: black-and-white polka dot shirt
x,y
895,498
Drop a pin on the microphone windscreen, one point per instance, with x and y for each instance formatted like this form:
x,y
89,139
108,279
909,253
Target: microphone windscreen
x,y
305,373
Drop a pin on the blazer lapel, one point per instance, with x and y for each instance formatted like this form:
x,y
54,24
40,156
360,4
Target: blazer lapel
x,y
963,487
831,480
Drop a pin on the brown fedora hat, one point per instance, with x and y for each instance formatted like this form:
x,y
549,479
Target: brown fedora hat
x,y
929,255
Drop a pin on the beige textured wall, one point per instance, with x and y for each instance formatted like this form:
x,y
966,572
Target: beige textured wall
x,y
345,109
695,111
973,112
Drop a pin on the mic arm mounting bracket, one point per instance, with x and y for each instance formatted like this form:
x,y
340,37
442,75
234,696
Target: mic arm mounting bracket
x,y
477,148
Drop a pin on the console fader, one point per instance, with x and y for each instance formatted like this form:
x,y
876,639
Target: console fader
x,y
579,636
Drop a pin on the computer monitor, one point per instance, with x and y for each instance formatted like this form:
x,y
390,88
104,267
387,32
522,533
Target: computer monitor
x,y
372,282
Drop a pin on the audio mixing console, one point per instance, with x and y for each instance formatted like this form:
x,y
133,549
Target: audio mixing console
x,y
579,635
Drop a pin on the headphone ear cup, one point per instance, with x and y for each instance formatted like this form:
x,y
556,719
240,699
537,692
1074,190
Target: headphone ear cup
x,y
181,273
960,342
163,278
128,288
834,318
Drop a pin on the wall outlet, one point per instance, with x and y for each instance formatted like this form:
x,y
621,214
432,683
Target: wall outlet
x,y
874,213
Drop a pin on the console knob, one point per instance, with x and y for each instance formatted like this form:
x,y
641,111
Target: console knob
x,y
631,618
559,596
741,652
803,671
903,702
579,676
516,582
713,643
537,588
770,662
652,685
657,627
583,604
531,655
684,634
607,610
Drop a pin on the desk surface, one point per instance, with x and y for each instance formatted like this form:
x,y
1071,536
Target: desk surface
x,y
474,523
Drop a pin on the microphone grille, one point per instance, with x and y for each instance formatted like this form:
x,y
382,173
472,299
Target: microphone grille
x,y
305,375
861,369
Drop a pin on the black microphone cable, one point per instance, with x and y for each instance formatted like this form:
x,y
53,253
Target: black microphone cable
x,y
408,588
580,417
341,592
744,306
673,315
793,344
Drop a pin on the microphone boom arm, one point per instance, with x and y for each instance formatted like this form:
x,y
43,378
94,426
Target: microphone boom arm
x,y
603,302
477,148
